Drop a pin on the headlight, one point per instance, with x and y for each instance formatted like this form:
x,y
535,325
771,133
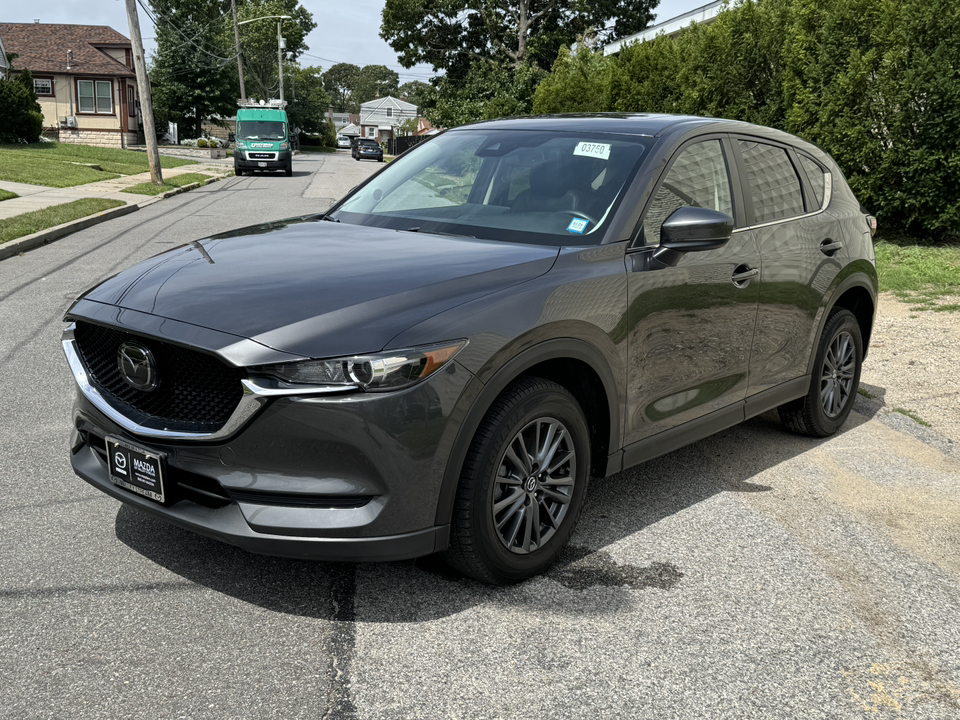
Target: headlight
x,y
390,370
240,145
284,146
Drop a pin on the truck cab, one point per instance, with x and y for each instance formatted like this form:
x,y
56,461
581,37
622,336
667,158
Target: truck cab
x,y
263,140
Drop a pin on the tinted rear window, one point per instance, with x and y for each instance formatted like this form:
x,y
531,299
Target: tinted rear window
x,y
774,185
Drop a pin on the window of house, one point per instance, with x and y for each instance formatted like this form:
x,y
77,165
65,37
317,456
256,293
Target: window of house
x,y
389,112
131,102
95,96
774,185
371,132
698,178
43,86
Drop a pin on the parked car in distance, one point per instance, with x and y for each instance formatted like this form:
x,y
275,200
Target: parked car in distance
x,y
367,149
343,141
441,362
263,140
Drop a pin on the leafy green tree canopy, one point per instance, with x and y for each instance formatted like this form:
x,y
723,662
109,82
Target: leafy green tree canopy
x,y
340,81
259,42
452,35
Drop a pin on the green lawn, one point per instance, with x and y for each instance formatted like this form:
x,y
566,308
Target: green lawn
x,y
66,165
31,222
919,274
148,188
6,195
316,149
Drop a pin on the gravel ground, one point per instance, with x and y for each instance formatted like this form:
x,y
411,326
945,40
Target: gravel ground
x,y
913,365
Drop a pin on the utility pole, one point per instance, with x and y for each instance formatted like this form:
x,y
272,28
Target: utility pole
x,y
143,87
280,47
236,34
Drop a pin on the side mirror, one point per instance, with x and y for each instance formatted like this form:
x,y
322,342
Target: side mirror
x,y
692,229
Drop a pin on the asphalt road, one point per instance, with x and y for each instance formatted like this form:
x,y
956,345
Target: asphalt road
x,y
755,574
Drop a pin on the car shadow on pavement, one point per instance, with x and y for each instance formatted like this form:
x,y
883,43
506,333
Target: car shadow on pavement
x,y
426,589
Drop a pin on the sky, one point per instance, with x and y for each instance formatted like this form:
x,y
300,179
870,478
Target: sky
x,y
346,31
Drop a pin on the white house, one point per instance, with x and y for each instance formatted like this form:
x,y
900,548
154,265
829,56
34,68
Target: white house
x,y
702,15
379,118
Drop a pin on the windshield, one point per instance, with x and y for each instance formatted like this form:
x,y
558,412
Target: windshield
x,y
557,188
261,130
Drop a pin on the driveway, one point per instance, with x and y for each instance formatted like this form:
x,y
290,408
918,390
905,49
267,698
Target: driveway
x,y
755,574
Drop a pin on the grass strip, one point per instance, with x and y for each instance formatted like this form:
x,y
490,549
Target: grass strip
x,y
919,274
316,149
6,195
67,165
31,222
148,188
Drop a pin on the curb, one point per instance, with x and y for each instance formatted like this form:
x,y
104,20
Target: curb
x,y
44,237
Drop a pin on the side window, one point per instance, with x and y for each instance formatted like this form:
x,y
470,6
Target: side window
x,y
815,176
698,178
774,185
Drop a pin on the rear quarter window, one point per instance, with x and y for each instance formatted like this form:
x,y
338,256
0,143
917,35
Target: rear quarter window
x,y
815,175
773,182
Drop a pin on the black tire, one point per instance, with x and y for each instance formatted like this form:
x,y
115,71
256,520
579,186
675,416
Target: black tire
x,y
237,171
525,543
836,377
288,171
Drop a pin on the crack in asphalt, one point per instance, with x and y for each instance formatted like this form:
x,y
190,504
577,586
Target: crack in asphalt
x,y
342,642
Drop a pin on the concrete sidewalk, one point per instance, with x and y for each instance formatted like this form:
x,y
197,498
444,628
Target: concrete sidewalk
x,y
37,197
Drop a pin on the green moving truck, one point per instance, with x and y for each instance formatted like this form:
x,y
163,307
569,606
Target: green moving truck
x,y
263,140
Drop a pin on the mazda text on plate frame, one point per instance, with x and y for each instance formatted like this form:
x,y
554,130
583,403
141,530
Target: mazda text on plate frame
x,y
441,362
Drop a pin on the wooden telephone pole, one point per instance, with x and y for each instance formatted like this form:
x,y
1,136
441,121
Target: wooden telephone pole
x,y
143,87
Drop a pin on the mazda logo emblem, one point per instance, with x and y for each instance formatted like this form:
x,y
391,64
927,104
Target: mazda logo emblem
x,y
137,366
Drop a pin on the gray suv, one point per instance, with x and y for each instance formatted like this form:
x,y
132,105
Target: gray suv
x,y
441,362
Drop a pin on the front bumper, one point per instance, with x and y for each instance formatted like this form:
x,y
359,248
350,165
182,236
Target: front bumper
x,y
275,160
352,477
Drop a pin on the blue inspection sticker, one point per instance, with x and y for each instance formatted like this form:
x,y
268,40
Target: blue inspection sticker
x,y
577,225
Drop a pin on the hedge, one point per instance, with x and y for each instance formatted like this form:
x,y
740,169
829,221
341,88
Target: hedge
x,y
876,83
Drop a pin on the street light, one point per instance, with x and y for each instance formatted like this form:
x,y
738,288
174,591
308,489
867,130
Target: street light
x,y
281,43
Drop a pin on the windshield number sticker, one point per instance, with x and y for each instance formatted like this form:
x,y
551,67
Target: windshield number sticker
x,y
596,150
577,225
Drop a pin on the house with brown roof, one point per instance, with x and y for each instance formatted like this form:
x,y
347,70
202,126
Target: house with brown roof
x,y
84,79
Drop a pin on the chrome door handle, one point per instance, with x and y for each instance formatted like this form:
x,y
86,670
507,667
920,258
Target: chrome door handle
x,y
743,275
829,247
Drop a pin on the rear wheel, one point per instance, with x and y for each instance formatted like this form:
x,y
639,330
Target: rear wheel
x,y
522,484
836,377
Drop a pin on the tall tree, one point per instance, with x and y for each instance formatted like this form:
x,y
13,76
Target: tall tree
x,y
307,100
259,41
193,75
415,92
340,81
375,81
453,34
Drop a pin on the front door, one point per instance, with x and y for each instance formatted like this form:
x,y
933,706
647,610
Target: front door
x,y
692,325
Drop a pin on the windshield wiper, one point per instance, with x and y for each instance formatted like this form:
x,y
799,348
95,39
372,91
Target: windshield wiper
x,y
328,217
437,232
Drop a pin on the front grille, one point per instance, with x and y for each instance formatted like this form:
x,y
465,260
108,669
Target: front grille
x,y
196,391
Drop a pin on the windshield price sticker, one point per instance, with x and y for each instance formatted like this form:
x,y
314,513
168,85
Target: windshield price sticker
x,y
592,149
577,225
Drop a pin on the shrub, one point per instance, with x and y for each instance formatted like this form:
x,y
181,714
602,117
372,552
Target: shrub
x,y
21,119
876,83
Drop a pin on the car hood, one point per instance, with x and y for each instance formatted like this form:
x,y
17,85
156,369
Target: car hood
x,y
317,288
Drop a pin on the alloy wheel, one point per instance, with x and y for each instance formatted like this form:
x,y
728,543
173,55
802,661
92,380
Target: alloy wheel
x,y
837,374
534,485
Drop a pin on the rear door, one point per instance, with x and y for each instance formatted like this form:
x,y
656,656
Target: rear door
x,y
691,326
784,194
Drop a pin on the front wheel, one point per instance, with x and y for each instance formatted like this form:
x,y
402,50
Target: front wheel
x,y
237,171
288,171
836,377
522,484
